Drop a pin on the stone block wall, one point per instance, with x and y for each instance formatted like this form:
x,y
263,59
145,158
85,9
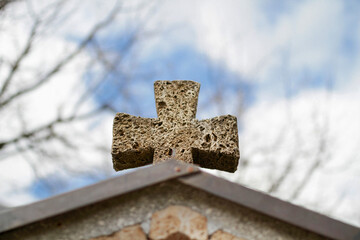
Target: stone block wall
x,y
171,223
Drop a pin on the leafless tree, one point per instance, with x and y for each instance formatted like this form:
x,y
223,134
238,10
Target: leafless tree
x,y
32,142
293,175
3,4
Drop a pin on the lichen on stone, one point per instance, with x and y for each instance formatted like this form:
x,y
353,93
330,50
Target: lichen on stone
x,y
210,143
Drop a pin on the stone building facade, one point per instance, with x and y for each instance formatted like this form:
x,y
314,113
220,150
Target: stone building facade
x,y
169,200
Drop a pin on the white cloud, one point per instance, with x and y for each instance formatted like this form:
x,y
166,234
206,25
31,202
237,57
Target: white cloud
x,y
39,107
313,32
237,34
303,118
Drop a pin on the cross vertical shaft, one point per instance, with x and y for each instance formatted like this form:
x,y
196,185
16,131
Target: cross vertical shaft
x,y
176,101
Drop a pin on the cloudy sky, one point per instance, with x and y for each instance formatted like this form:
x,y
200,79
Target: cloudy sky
x,y
290,71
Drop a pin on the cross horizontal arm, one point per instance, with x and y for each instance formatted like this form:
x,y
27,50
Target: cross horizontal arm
x,y
217,147
133,141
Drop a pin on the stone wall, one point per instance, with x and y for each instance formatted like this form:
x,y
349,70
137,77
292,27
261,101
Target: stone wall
x,y
171,223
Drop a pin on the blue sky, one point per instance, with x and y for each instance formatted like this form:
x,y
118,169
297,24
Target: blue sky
x,y
306,55
184,63
288,64
281,69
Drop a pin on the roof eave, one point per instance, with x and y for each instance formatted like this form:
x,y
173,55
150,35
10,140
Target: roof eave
x,y
187,174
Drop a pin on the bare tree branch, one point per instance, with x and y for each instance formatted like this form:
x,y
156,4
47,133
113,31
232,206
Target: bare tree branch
x,y
21,57
65,60
310,172
48,126
285,173
322,133
4,3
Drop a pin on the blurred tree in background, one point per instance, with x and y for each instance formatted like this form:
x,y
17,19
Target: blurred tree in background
x,y
44,76
66,67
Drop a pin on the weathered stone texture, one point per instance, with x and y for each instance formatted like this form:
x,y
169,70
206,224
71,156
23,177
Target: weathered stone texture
x,y
178,223
211,143
132,232
131,138
221,235
176,101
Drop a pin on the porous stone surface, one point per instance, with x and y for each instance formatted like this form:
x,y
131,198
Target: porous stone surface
x,y
221,235
178,223
211,143
134,232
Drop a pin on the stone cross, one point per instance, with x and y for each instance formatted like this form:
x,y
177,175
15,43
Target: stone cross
x,y
210,143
